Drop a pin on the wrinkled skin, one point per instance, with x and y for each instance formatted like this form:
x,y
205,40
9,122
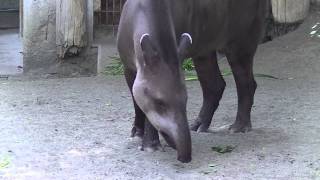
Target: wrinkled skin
x,y
152,48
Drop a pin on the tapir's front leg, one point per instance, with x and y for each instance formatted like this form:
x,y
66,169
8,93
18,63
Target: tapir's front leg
x,y
142,127
213,85
150,141
138,125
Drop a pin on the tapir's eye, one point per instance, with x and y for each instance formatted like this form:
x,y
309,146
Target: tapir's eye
x,y
159,102
160,105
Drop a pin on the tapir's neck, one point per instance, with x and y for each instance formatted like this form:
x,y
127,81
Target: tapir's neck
x,y
155,19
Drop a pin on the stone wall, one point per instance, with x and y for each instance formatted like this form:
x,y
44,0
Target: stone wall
x,y
39,35
39,43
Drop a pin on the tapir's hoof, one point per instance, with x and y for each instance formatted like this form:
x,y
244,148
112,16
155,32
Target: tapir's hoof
x,y
184,159
240,127
199,127
169,141
151,146
137,132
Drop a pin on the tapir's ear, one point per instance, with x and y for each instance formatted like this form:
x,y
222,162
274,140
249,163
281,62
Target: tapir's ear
x,y
184,44
149,50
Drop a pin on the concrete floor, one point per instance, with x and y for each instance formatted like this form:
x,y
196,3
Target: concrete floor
x,y
10,52
79,128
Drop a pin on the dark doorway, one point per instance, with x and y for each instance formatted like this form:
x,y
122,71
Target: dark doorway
x,y
9,14
109,13
10,42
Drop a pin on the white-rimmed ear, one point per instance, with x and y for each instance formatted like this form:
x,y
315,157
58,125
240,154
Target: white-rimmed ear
x,y
184,45
143,36
148,48
188,36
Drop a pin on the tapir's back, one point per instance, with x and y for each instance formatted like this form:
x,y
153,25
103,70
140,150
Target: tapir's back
x,y
214,23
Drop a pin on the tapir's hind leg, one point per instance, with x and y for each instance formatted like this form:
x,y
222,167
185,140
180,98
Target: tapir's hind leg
x,y
213,85
241,62
141,127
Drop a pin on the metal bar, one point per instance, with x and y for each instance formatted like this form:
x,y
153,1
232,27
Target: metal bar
x,y
110,12
107,9
113,8
9,10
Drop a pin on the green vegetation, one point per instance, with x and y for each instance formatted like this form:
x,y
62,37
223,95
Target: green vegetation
x,y
223,149
116,68
265,76
4,162
187,65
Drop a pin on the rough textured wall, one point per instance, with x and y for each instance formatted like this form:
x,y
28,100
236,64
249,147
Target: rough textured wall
x,y
39,42
40,47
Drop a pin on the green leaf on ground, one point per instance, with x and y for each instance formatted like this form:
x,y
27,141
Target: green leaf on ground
x,y
4,162
226,72
191,78
265,76
223,149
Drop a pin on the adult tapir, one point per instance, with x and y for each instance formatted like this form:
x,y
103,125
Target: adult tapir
x,y
154,38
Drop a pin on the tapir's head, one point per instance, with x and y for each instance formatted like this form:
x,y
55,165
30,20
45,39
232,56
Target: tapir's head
x,y
160,91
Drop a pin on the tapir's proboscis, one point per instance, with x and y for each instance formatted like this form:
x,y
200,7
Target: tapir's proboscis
x,y
154,38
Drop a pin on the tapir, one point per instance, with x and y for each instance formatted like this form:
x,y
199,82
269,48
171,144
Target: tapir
x,y
155,36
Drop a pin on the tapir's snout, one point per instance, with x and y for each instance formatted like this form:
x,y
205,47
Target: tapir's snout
x,y
177,135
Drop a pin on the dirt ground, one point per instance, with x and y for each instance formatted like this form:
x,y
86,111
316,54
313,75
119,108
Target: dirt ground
x,y
79,128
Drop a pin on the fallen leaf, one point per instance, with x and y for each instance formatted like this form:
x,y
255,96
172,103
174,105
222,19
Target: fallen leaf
x,y
265,76
223,149
5,162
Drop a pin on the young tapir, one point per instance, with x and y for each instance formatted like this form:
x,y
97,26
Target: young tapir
x,y
155,36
